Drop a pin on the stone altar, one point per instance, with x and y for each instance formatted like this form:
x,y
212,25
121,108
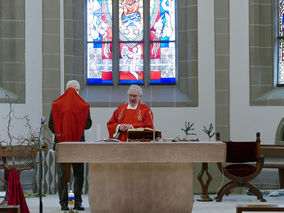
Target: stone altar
x,y
139,177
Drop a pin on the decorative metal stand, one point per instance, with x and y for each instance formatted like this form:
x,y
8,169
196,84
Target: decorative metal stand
x,y
204,196
40,164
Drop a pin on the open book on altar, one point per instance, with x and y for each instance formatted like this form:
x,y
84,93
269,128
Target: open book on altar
x,y
141,129
143,134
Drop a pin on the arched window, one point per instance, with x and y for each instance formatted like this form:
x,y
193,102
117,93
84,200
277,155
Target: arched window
x,y
134,37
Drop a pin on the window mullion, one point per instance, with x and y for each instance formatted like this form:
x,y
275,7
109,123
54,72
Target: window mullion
x,y
146,39
115,43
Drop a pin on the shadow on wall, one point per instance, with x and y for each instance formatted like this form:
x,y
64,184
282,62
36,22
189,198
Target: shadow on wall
x,y
279,137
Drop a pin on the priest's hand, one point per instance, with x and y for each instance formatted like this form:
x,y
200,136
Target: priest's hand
x,y
125,127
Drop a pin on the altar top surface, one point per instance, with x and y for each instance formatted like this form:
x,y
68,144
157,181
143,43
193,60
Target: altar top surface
x,y
140,152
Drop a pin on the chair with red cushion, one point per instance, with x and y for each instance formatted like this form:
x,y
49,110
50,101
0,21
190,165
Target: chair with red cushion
x,y
243,163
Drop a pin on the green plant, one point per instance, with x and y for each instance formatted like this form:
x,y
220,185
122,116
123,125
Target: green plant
x,y
209,131
187,129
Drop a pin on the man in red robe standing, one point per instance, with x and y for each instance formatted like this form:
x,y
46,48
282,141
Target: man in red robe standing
x,y
69,117
133,114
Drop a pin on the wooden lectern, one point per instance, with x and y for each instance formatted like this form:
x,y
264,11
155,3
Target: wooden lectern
x,y
152,177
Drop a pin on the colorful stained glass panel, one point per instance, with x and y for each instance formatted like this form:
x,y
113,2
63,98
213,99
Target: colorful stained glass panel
x,y
281,44
162,20
131,41
163,65
99,30
131,63
131,20
281,18
99,69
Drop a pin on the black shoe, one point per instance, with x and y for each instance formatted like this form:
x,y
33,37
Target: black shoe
x,y
64,208
79,207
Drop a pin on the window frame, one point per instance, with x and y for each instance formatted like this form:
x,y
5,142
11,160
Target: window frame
x,y
183,94
146,46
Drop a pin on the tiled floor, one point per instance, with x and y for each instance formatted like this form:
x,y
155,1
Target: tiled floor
x,y
51,205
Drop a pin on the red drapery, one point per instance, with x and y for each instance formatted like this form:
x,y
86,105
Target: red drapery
x,y
15,191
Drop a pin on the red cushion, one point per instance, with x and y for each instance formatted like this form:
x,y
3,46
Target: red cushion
x,y
240,170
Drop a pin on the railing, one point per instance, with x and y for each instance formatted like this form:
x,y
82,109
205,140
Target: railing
x,y
274,158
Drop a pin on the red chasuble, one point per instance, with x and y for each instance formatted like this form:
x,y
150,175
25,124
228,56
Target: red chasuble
x,y
70,113
142,116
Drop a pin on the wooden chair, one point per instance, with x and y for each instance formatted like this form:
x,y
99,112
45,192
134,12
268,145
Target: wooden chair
x,y
243,164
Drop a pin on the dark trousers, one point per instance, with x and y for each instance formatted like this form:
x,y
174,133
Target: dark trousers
x,y
78,172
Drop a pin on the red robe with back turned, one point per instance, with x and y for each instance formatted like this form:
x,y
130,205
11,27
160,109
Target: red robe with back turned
x,y
70,113
142,116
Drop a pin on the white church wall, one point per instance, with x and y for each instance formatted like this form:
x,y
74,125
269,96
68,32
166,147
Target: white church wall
x,y
246,120
171,120
33,62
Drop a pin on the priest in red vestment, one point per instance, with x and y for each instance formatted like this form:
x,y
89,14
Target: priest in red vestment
x,y
133,114
69,117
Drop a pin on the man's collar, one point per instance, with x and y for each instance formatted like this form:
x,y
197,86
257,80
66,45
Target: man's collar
x,y
132,107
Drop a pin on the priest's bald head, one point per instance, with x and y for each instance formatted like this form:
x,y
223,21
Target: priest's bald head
x,y
134,94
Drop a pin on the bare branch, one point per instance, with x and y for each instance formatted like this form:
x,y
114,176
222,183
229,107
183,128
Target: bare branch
x,y
25,145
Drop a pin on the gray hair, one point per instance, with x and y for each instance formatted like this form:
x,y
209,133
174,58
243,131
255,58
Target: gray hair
x,y
135,87
72,83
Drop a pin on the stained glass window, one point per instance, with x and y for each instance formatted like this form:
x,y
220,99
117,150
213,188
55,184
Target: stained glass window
x,y
162,35
99,47
281,43
131,43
